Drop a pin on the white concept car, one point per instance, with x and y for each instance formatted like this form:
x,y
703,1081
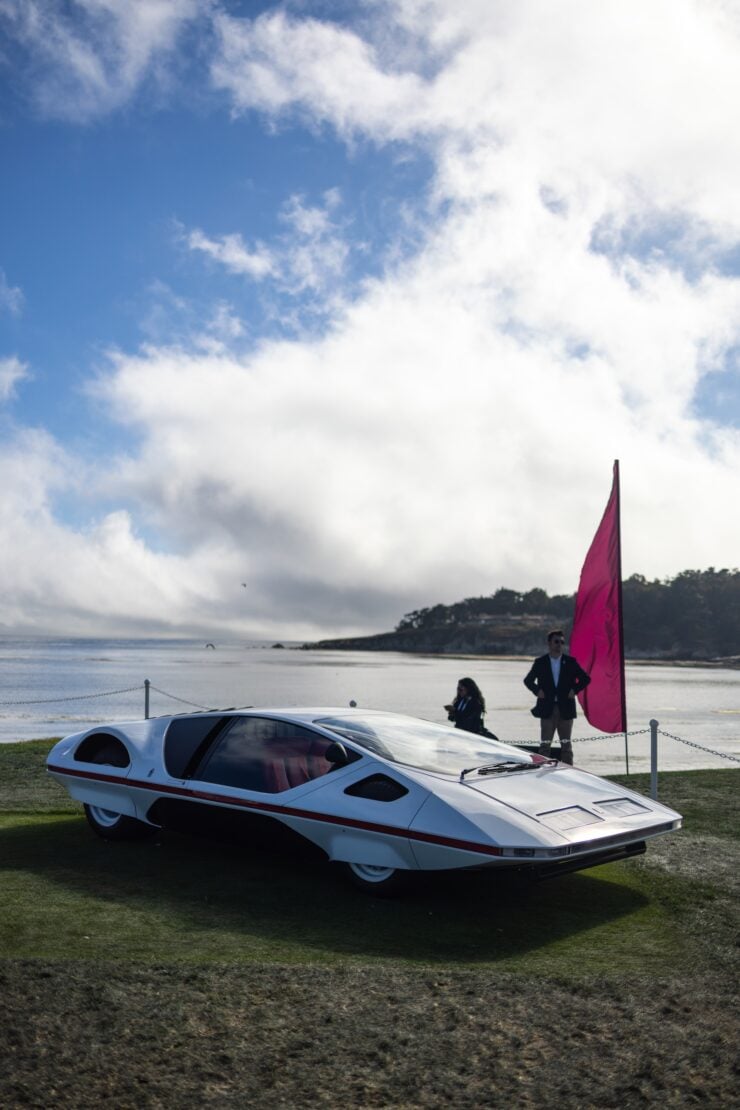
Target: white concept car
x,y
384,795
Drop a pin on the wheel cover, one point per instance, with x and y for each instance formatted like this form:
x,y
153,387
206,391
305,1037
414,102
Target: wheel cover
x,y
369,873
106,818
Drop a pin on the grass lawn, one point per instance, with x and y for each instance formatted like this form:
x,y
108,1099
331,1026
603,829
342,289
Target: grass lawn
x,y
467,986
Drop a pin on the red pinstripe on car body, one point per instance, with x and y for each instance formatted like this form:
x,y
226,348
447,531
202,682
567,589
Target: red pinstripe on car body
x,y
286,811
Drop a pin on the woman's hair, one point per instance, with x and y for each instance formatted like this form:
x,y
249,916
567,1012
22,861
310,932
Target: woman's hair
x,y
472,687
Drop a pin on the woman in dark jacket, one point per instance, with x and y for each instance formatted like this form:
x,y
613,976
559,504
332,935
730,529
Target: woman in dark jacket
x,y
468,707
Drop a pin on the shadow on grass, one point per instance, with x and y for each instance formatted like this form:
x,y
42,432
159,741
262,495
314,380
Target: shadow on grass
x,y
205,899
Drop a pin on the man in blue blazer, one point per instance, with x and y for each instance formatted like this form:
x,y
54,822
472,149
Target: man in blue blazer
x,y
555,679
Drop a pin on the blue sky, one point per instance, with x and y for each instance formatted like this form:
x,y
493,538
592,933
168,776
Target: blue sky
x,y
95,218
356,303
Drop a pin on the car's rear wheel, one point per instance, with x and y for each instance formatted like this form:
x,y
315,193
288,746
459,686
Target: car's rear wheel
x,y
383,882
116,826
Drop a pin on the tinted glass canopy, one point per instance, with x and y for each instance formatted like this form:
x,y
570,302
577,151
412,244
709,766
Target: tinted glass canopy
x,y
421,744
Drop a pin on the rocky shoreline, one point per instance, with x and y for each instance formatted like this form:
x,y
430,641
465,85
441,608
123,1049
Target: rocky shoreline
x,y
500,643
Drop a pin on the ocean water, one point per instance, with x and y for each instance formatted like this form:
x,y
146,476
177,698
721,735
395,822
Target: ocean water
x,y
54,687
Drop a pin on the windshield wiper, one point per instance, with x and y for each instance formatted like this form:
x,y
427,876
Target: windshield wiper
x,y
504,766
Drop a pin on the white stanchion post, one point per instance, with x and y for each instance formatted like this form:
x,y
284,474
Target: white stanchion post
x,y
146,699
654,760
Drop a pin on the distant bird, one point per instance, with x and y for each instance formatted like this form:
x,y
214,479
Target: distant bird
x,y
211,646
244,584
353,704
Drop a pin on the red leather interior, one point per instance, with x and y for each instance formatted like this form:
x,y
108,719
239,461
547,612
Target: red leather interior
x,y
291,764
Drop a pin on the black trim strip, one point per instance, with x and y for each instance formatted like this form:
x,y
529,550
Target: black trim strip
x,y
202,750
593,859
286,811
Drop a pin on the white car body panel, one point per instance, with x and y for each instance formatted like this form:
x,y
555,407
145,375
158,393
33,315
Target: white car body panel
x,y
539,814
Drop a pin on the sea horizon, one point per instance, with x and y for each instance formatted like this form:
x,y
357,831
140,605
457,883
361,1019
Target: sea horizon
x,y
54,686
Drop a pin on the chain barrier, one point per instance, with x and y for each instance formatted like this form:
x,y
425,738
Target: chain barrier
x,y
73,697
514,743
103,694
208,708
583,739
635,732
701,748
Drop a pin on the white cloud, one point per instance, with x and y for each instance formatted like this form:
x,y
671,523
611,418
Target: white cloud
x,y
99,579
89,57
484,387
11,297
587,96
277,64
315,251
310,256
12,371
454,428
225,324
232,252
427,449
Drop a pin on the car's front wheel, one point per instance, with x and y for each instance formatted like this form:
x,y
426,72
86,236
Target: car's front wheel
x,y
383,882
116,826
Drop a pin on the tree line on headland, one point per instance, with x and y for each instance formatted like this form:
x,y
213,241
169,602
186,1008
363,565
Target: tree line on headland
x,y
695,615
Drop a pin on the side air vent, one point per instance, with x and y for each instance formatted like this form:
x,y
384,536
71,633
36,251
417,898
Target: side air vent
x,y
378,787
101,747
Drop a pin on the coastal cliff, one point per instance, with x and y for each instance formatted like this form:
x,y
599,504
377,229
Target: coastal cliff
x,y
512,635
694,617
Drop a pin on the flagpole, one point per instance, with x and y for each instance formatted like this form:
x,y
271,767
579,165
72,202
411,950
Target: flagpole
x,y
620,622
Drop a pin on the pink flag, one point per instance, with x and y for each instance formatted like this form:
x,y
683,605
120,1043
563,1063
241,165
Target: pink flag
x,y
597,640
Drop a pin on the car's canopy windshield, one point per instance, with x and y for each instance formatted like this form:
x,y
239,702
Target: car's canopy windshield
x,y
422,744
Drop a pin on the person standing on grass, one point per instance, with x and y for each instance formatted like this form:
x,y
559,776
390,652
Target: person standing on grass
x,y
555,679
